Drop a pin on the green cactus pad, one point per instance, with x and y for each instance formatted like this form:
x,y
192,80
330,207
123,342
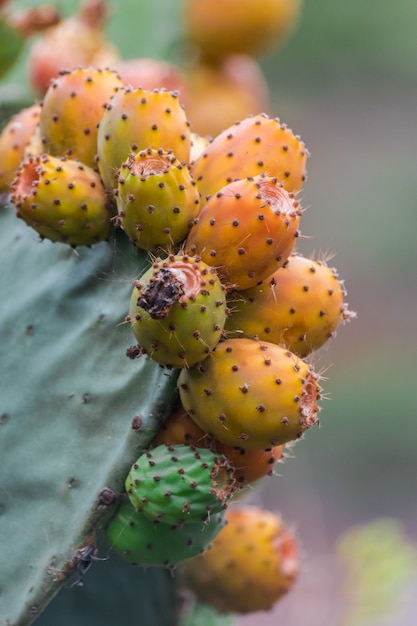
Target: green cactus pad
x,y
175,484
142,541
75,412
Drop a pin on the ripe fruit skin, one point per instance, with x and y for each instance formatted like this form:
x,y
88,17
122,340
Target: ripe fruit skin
x,y
144,542
222,27
138,119
246,230
71,110
157,200
150,74
248,465
251,394
179,484
62,199
77,41
178,311
216,96
14,139
300,306
252,563
256,145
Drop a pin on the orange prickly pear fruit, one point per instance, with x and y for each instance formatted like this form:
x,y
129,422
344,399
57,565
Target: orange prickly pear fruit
x,y
222,27
62,199
246,230
71,110
14,139
150,74
252,563
157,199
216,96
177,311
300,306
138,119
256,145
77,41
251,394
248,465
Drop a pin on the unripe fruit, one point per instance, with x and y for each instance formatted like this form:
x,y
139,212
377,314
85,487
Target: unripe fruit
x,y
157,200
138,119
256,145
252,563
177,311
246,230
222,27
177,484
300,306
143,542
14,139
62,199
251,394
71,110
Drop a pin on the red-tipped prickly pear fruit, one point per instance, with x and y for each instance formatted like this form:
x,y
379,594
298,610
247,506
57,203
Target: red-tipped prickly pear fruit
x,y
142,541
63,200
248,465
300,306
179,484
71,110
216,96
150,74
256,145
252,563
251,394
14,139
222,27
137,119
157,200
77,41
246,230
177,311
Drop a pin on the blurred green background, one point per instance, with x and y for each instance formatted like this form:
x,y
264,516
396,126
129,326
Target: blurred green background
x,y
346,81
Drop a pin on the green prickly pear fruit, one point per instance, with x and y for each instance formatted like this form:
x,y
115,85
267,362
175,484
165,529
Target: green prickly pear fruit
x,y
300,306
177,484
137,119
177,311
246,230
251,394
62,199
71,110
142,541
248,465
252,563
14,139
256,145
157,200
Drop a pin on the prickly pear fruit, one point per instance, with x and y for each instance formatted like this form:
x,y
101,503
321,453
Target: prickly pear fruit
x,y
216,96
157,200
142,541
251,394
177,484
71,110
177,311
77,41
256,145
150,74
246,230
222,27
137,119
62,199
248,465
252,563
14,139
300,306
